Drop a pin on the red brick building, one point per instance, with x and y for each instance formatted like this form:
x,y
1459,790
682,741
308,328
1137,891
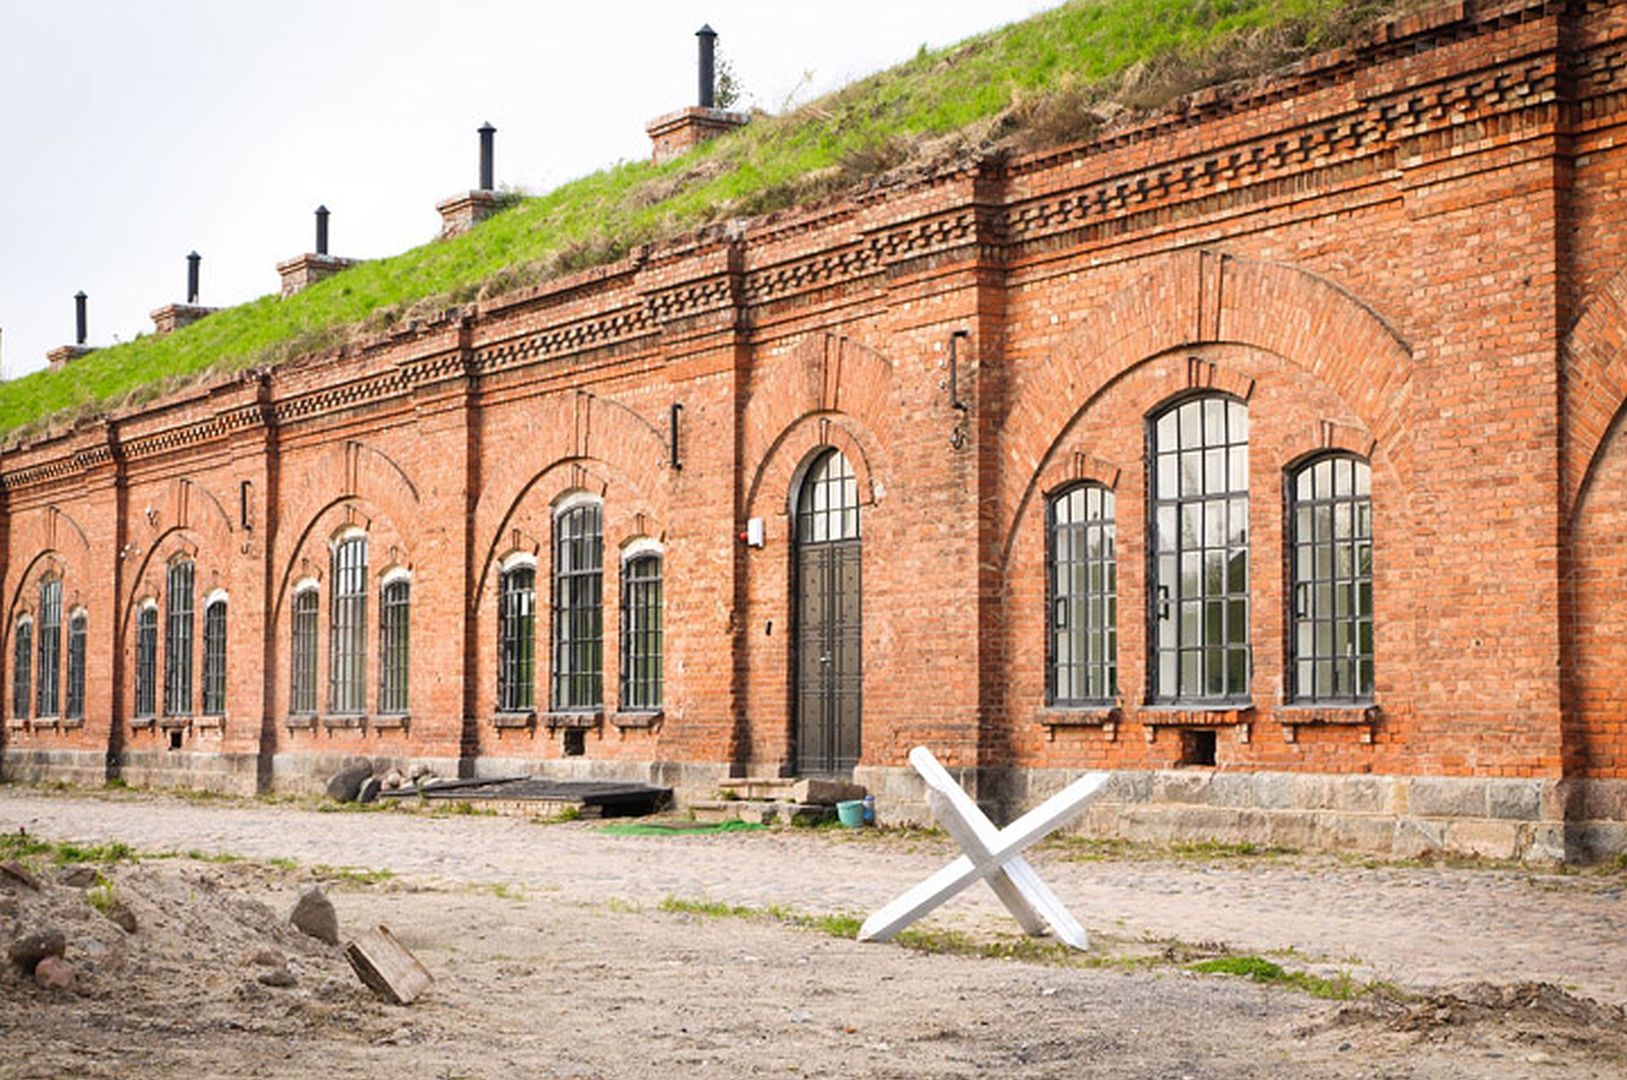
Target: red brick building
x,y
1267,454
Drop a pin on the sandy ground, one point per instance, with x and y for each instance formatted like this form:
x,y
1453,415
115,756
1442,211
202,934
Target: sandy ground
x,y
552,955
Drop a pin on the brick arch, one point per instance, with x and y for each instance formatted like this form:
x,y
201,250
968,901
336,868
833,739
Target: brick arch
x,y
1198,298
1077,466
822,374
779,474
596,477
44,562
351,469
1593,359
293,550
580,427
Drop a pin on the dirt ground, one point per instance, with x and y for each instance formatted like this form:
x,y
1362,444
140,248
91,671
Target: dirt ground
x,y
563,951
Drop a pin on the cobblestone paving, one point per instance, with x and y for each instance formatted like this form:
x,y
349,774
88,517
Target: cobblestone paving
x,y
1416,926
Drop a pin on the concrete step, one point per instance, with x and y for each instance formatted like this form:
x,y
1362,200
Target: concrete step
x,y
759,811
792,789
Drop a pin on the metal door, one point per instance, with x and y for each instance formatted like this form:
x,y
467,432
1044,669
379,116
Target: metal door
x,y
829,670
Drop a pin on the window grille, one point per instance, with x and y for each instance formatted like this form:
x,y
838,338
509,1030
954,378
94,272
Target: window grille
x,y
828,505
178,640
49,688
394,608
21,669
347,638
516,636
1199,603
1083,596
1332,598
578,609
302,696
214,659
76,668
641,633
147,661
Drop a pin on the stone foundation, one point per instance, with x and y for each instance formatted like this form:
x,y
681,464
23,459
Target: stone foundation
x,y
84,767
1386,816
194,770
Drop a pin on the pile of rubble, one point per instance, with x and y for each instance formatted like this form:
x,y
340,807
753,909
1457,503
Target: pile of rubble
x,y
362,780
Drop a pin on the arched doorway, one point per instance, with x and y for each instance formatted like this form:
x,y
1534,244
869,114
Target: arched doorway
x,y
829,672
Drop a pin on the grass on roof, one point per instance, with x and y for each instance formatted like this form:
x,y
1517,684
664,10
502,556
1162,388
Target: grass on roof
x,y
1046,80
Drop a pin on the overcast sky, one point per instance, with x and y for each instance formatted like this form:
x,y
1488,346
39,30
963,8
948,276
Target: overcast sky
x,y
135,131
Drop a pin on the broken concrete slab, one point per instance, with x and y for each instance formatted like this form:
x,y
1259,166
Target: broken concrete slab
x,y
386,967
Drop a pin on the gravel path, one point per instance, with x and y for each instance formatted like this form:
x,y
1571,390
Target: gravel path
x,y
1417,927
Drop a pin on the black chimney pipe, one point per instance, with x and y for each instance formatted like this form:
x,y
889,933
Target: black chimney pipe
x,y
192,262
486,133
708,74
79,316
322,230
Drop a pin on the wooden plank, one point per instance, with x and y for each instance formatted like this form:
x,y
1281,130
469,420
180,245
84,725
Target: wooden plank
x,y
386,967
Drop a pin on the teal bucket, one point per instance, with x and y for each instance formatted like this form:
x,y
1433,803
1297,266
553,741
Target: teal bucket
x,y
851,814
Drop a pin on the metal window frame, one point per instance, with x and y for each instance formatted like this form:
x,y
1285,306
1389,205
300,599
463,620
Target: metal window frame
x,y
517,638
642,616
578,609
179,583
1070,611
146,688
303,629
48,643
22,668
395,611
74,707
347,627
1166,600
827,505
1305,596
214,657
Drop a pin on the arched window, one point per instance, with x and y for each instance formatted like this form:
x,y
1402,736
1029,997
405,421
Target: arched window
x,y
178,639
516,639
76,667
22,668
394,608
578,608
1083,564
641,633
828,501
302,653
48,701
147,660
347,637
1199,602
1331,518
214,657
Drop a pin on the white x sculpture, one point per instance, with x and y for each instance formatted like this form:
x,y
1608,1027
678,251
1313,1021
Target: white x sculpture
x,y
991,854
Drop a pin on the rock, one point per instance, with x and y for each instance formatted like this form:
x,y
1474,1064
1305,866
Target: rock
x,y
280,976
122,917
27,952
55,973
17,872
78,876
347,782
394,780
418,771
8,906
268,958
314,915
369,791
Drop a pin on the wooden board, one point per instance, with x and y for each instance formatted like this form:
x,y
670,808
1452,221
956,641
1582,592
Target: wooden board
x,y
385,965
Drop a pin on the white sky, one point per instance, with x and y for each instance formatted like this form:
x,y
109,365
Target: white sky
x,y
135,131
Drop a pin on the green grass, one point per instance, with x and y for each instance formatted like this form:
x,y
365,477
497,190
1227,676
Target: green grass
x,y
1340,987
1033,83
350,875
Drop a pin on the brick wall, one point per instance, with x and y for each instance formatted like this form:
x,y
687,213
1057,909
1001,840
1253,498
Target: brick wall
x,y
1410,250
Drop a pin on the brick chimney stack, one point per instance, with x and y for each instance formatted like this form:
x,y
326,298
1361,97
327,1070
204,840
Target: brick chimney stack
x,y
171,317
63,354
461,213
677,133
306,270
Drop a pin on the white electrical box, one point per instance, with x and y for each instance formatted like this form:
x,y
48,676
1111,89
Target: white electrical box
x,y
754,532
